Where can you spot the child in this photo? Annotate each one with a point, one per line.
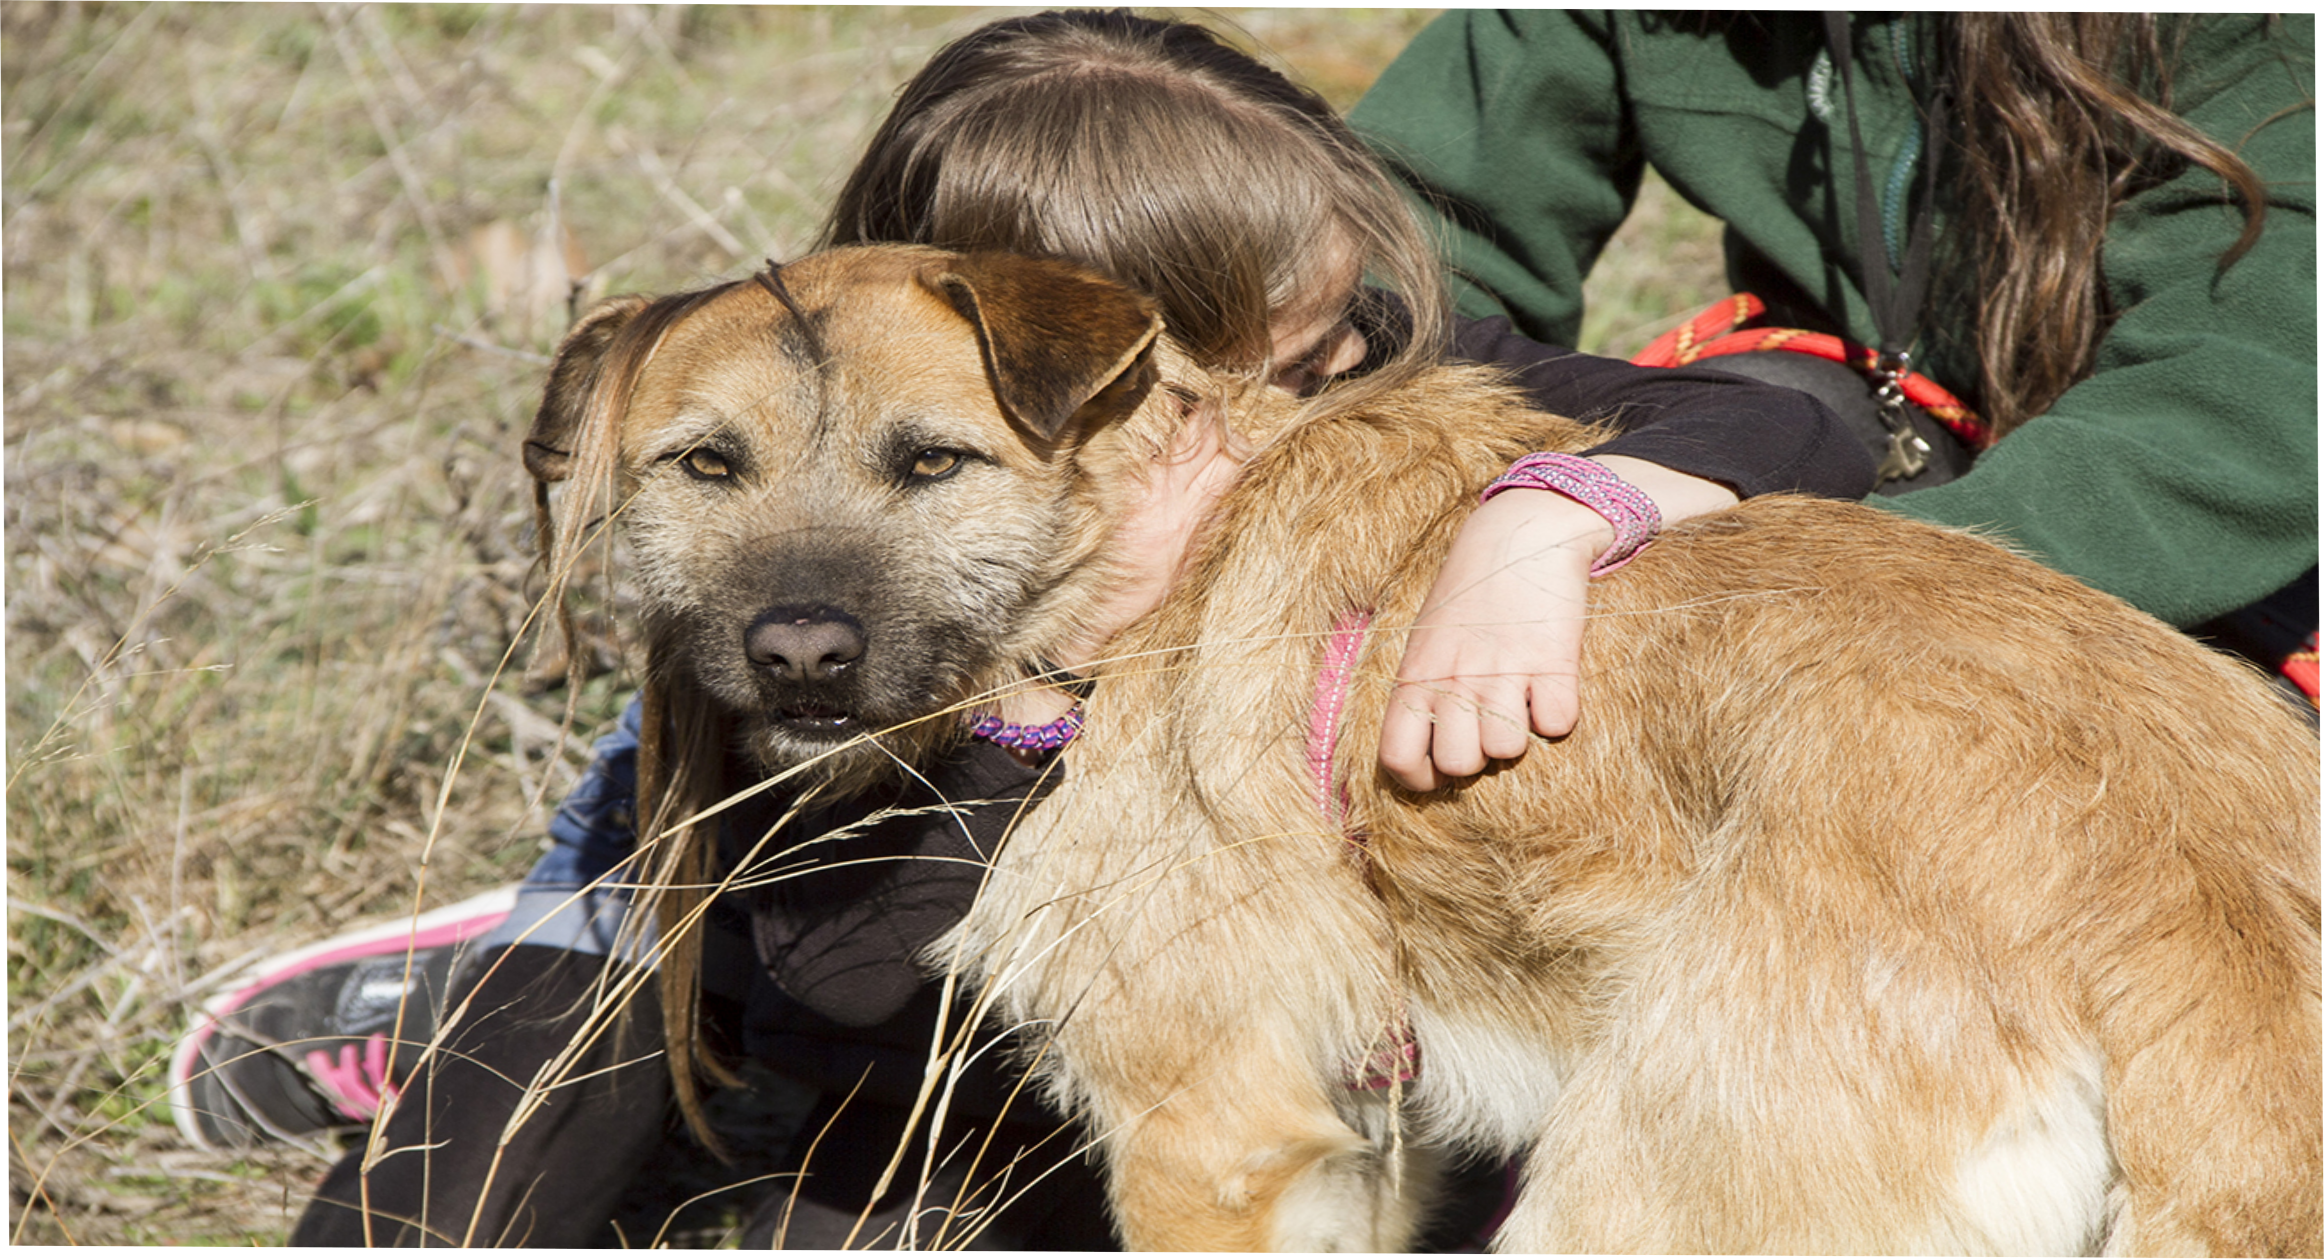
(1154, 152)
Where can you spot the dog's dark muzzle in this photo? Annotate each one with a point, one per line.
(808, 657)
(817, 638)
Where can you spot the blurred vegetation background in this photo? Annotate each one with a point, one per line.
(279, 280)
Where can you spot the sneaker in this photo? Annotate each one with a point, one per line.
(299, 1044)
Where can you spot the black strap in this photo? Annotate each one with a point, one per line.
(1896, 301)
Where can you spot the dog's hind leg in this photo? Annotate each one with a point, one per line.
(2221, 1159)
(1795, 1068)
(2213, 1063)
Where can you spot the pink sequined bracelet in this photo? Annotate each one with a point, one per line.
(1625, 506)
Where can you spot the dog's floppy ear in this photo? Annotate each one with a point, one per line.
(1058, 340)
(549, 447)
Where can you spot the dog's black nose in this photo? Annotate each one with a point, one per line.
(804, 644)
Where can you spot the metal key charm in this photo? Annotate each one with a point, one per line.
(1908, 451)
(1907, 457)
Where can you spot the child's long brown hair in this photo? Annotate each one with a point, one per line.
(1156, 153)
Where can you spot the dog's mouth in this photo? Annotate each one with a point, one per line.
(816, 721)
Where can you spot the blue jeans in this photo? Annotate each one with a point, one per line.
(574, 898)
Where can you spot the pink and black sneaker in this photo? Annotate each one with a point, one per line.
(300, 1044)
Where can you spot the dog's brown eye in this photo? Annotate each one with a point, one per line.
(932, 465)
(704, 465)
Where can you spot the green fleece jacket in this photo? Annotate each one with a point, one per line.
(2181, 475)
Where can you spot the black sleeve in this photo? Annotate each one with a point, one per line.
(1754, 438)
(841, 920)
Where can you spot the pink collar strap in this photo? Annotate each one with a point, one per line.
(1331, 702)
(1396, 1059)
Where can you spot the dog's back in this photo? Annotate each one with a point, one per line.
(1925, 897)
(1893, 893)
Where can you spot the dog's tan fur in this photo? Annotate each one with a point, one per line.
(1894, 893)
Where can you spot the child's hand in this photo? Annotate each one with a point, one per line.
(1498, 643)
(1495, 655)
(1149, 546)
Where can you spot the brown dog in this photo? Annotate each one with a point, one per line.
(1894, 893)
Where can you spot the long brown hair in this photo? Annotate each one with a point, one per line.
(2060, 117)
(1157, 154)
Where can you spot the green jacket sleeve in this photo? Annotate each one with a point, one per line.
(1439, 114)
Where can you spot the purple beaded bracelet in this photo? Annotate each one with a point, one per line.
(1625, 506)
(1047, 737)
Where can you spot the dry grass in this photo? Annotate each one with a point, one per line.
(267, 537)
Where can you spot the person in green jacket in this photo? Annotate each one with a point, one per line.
(2123, 276)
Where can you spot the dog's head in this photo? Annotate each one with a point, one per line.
(858, 488)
